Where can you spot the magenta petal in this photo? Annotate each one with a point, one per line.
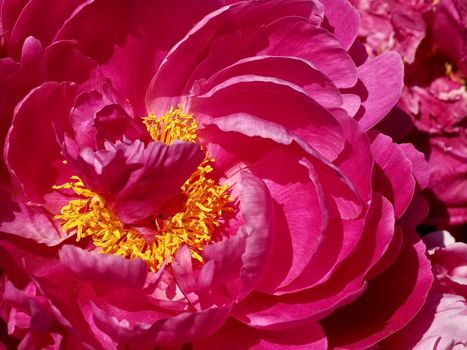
(31, 145)
(137, 179)
(343, 21)
(104, 268)
(28, 221)
(291, 69)
(31, 52)
(393, 174)
(420, 167)
(403, 287)
(307, 337)
(241, 261)
(383, 81)
(271, 100)
(29, 21)
(182, 328)
(300, 216)
(292, 36)
(62, 62)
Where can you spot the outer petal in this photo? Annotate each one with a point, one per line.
(343, 19)
(403, 287)
(31, 146)
(309, 336)
(382, 83)
(102, 268)
(184, 327)
(393, 177)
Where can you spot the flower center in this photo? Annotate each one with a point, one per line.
(194, 225)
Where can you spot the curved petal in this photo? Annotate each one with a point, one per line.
(31, 145)
(138, 179)
(403, 287)
(393, 173)
(104, 268)
(182, 328)
(293, 36)
(291, 69)
(343, 20)
(308, 336)
(382, 81)
(273, 100)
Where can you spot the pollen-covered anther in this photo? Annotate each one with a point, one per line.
(195, 225)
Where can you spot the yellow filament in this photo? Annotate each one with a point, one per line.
(89, 216)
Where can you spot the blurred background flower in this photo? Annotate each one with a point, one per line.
(431, 37)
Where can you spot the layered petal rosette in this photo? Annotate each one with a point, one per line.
(209, 182)
(431, 36)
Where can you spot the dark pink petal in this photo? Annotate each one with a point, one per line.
(103, 268)
(103, 115)
(234, 266)
(343, 21)
(31, 52)
(439, 325)
(382, 83)
(293, 36)
(301, 215)
(448, 162)
(29, 21)
(18, 217)
(139, 180)
(182, 328)
(31, 146)
(346, 283)
(191, 59)
(308, 336)
(355, 161)
(393, 176)
(390, 302)
(272, 100)
(420, 167)
(291, 69)
(62, 62)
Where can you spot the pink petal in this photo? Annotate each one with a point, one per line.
(403, 287)
(104, 268)
(393, 177)
(291, 107)
(28, 22)
(382, 79)
(188, 62)
(291, 69)
(343, 21)
(31, 145)
(308, 336)
(138, 179)
(293, 36)
(182, 328)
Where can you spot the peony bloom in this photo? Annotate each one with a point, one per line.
(435, 94)
(203, 175)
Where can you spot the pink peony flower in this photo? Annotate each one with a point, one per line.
(435, 95)
(200, 175)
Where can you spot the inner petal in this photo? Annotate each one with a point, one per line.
(192, 218)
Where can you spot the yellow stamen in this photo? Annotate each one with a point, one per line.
(195, 225)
